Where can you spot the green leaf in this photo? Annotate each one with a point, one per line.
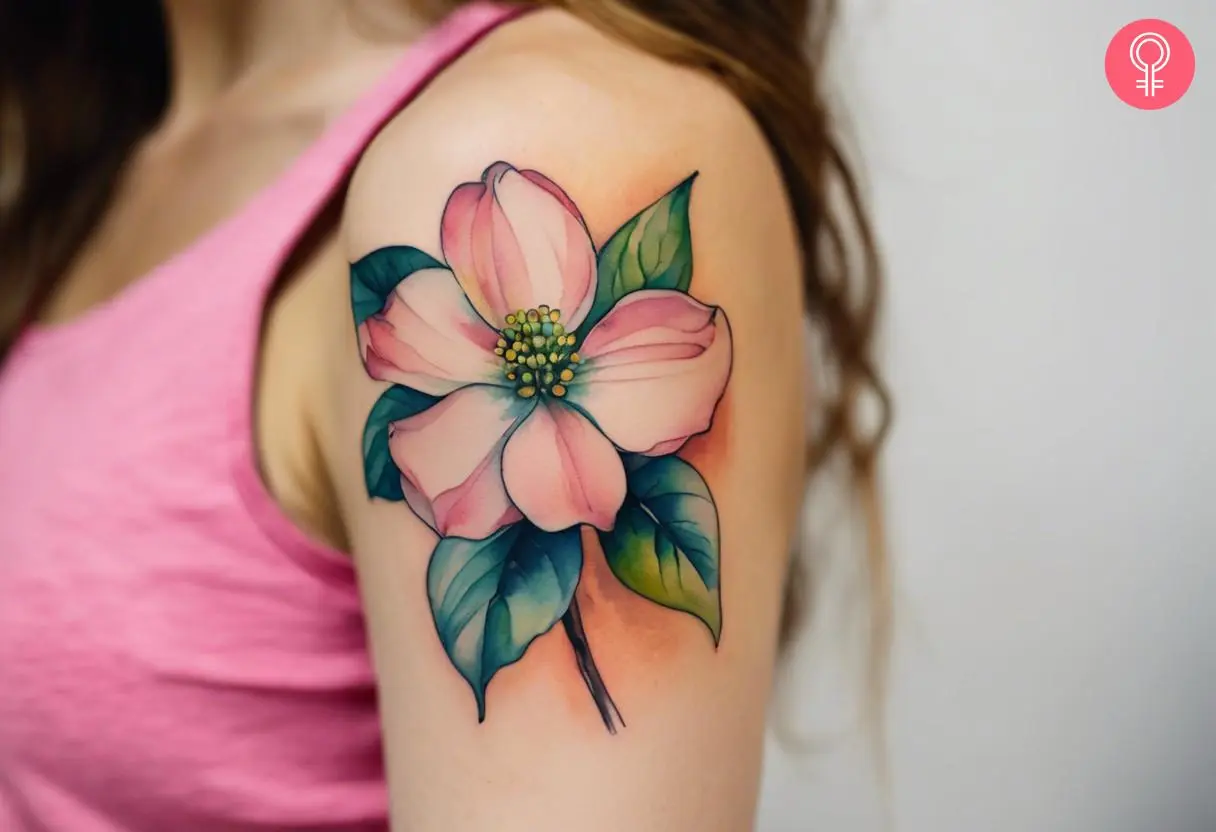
(379, 471)
(373, 277)
(664, 545)
(651, 251)
(491, 598)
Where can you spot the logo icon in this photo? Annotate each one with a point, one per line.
(1150, 64)
(1150, 83)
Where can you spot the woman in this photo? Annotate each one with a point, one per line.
(545, 484)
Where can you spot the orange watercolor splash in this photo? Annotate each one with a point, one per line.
(637, 644)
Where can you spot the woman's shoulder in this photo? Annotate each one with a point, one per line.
(551, 63)
(577, 306)
(587, 105)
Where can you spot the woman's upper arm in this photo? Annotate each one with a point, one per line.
(571, 527)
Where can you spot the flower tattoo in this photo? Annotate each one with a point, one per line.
(540, 386)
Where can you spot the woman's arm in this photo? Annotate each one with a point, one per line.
(571, 526)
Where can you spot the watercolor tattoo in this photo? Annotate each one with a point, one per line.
(540, 387)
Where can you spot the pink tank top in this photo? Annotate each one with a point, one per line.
(174, 653)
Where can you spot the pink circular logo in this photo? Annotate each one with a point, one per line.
(1150, 64)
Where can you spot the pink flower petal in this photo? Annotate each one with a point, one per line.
(539, 179)
(561, 471)
(515, 241)
(450, 458)
(654, 369)
(467, 236)
(428, 337)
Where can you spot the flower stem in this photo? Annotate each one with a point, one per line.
(573, 622)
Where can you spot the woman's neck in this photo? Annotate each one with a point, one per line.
(215, 44)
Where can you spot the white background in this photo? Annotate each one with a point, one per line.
(1051, 345)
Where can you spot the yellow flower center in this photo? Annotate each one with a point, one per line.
(537, 353)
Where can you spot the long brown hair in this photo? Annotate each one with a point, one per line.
(80, 83)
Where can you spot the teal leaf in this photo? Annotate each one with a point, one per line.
(379, 471)
(491, 598)
(664, 545)
(373, 277)
(651, 251)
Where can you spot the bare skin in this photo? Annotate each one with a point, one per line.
(255, 82)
